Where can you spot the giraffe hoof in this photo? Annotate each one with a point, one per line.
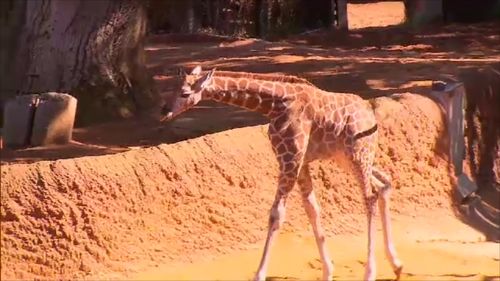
(259, 277)
(327, 277)
(328, 273)
(398, 271)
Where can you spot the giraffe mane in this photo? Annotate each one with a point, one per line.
(265, 76)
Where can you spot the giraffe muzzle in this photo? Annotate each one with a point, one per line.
(166, 114)
(166, 117)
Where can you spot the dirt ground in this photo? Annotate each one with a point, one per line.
(453, 252)
(137, 199)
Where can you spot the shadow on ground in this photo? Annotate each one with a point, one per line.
(370, 62)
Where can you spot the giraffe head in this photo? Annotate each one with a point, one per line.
(189, 93)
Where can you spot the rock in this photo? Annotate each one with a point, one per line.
(54, 119)
(18, 119)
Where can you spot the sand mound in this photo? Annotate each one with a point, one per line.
(95, 216)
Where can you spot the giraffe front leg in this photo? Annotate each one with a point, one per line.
(276, 219)
(312, 209)
(289, 144)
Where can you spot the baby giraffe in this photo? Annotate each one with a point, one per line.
(306, 123)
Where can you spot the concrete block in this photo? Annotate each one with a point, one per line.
(54, 119)
(18, 119)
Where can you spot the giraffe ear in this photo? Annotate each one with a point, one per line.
(196, 70)
(207, 78)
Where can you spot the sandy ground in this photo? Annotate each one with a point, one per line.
(375, 14)
(180, 205)
(451, 252)
(139, 200)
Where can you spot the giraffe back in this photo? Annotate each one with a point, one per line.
(331, 122)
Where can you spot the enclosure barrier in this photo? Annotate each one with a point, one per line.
(452, 96)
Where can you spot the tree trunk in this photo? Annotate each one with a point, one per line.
(209, 5)
(261, 18)
(92, 50)
(342, 14)
(190, 16)
(12, 15)
(273, 15)
(339, 13)
(216, 16)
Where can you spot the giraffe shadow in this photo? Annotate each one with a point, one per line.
(280, 278)
(288, 278)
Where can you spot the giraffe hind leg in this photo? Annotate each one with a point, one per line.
(362, 154)
(362, 171)
(383, 184)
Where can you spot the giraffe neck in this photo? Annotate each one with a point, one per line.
(266, 97)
